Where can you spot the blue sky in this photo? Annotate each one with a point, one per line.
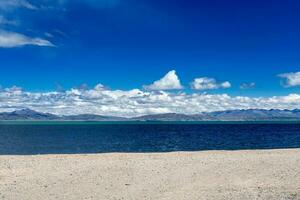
(232, 47)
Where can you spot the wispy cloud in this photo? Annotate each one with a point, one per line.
(12, 39)
(245, 86)
(9, 4)
(169, 82)
(103, 3)
(135, 102)
(290, 79)
(4, 21)
(94, 3)
(205, 83)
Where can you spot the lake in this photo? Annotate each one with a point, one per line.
(27, 138)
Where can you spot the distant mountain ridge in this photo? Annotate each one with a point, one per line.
(229, 115)
(31, 115)
(27, 114)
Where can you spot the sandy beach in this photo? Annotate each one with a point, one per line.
(257, 174)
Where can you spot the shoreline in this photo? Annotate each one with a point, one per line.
(157, 153)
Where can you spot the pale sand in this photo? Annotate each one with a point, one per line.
(271, 174)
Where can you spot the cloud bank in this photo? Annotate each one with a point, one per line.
(169, 82)
(206, 83)
(12, 39)
(135, 102)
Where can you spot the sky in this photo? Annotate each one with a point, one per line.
(135, 57)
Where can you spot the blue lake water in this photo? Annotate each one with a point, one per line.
(74, 138)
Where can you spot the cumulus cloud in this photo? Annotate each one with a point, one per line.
(290, 79)
(169, 82)
(135, 102)
(206, 83)
(12, 39)
(99, 87)
(245, 86)
(9, 4)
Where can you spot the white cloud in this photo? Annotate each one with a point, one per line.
(245, 86)
(8, 4)
(135, 102)
(12, 39)
(291, 79)
(169, 82)
(206, 83)
(99, 87)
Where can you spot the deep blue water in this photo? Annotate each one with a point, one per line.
(29, 139)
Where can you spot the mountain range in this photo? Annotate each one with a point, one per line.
(229, 115)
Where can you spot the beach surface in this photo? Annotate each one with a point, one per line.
(255, 174)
